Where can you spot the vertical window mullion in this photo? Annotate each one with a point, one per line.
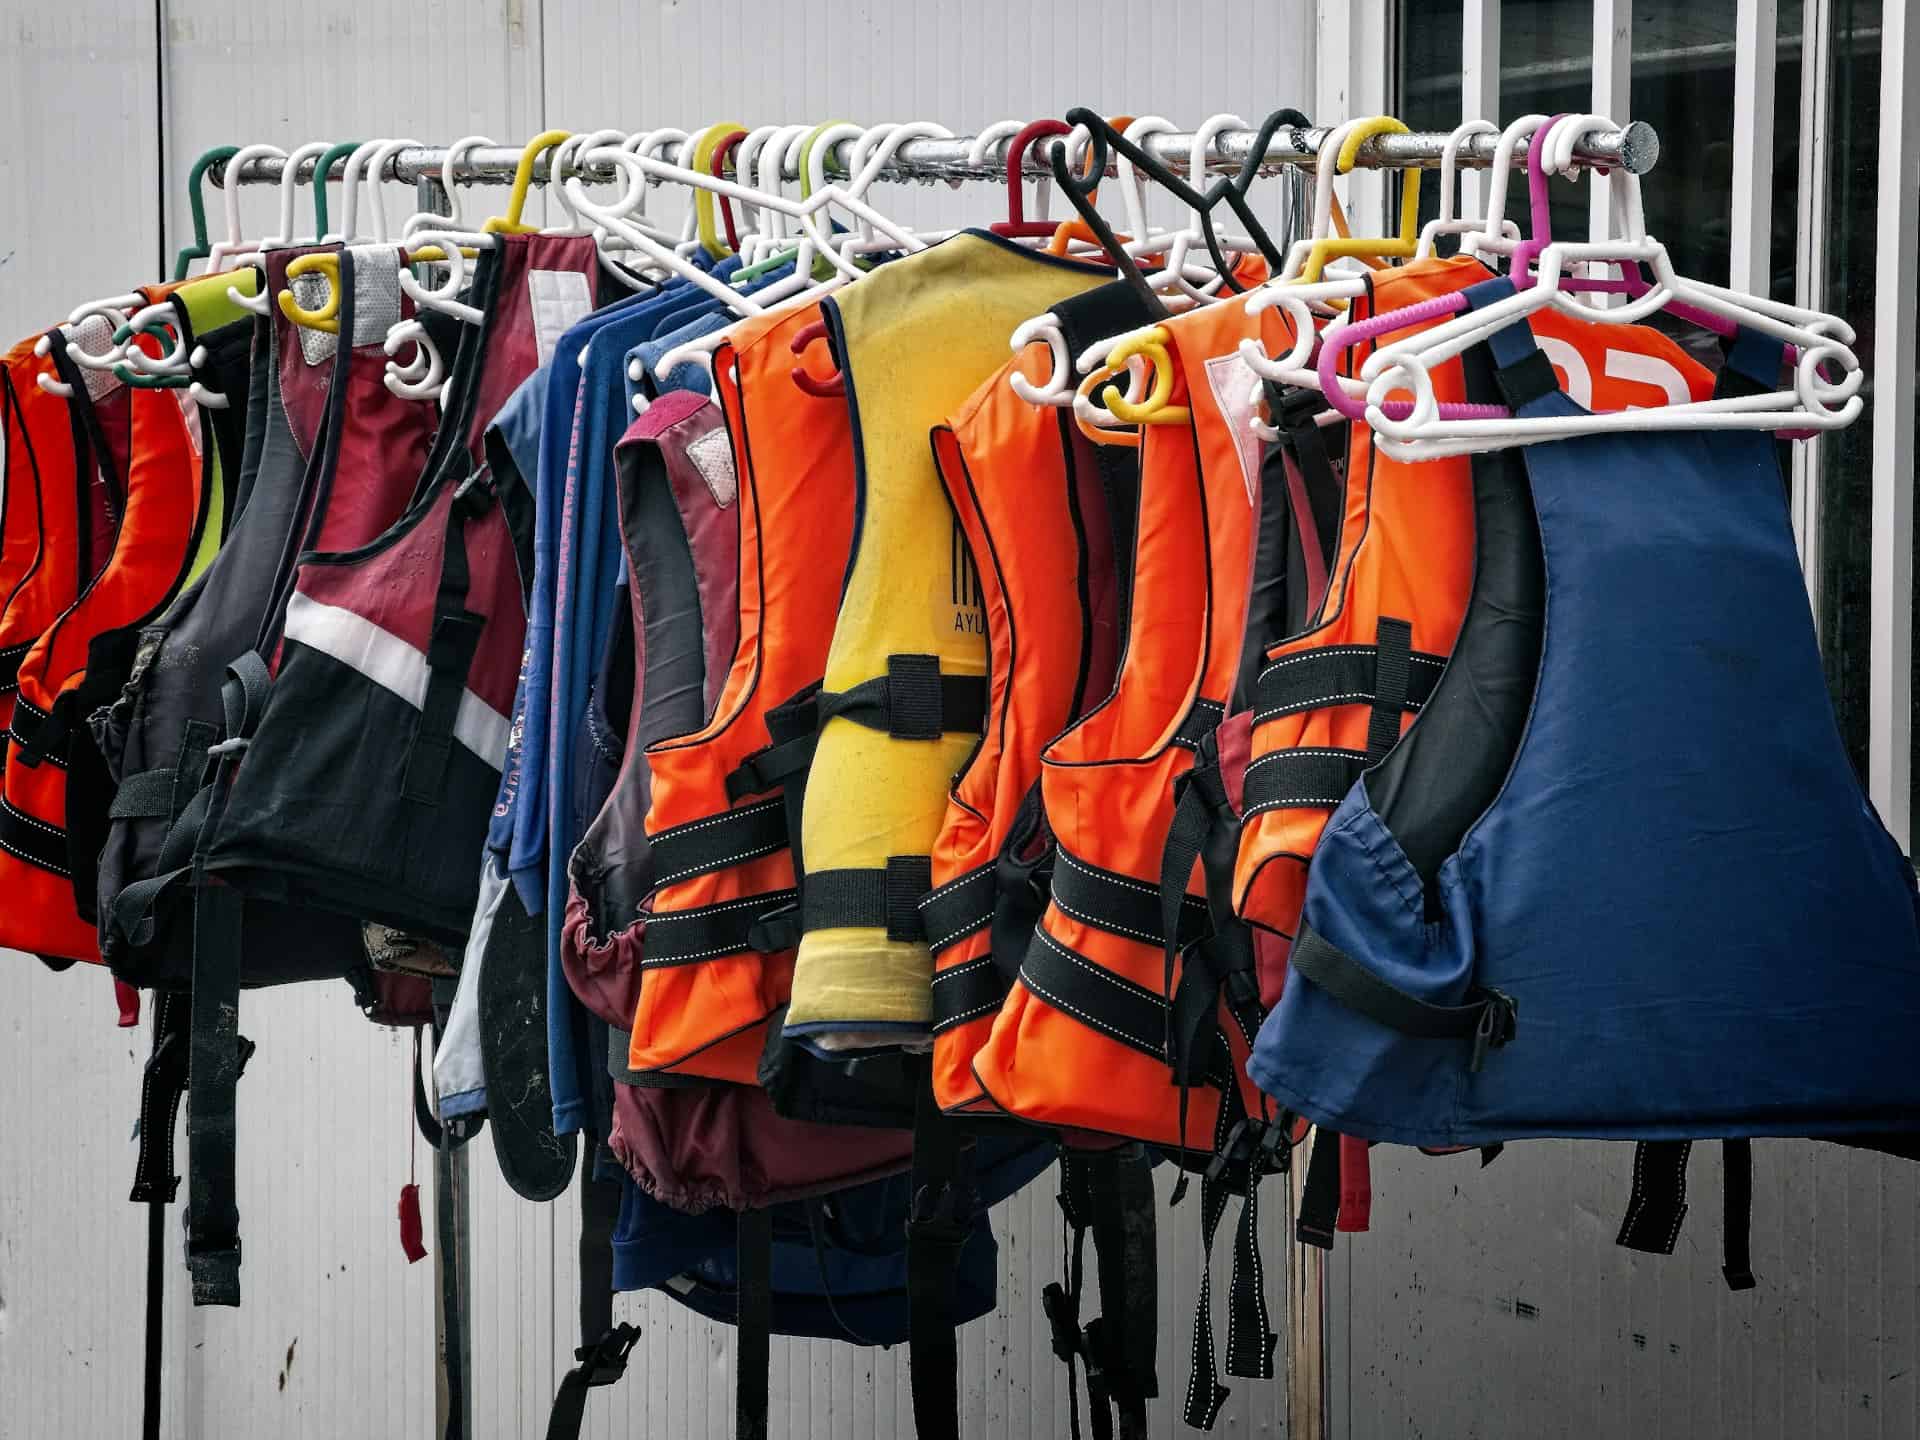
(1896, 254)
(1479, 86)
(1612, 93)
(1810, 264)
(1756, 37)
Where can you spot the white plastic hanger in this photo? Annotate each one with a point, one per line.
(1447, 222)
(221, 256)
(1812, 403)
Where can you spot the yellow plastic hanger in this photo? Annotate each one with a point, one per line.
(1408, 241)
(327, 317)
(1151, 344)
(711, 240)
(510, 223)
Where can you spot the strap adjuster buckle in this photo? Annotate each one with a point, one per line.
(1068, 1342)
(1499, 1018)
(778, 929)
(607, 1356)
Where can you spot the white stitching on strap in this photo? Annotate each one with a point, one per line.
(657, 918)
(983, 872)
(731, 860)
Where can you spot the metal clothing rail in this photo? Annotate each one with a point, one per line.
(1635, 148)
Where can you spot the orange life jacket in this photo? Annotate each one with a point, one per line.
(717, 960)
(163, 506)
(1085, 1038)
(1332, 700)
(1029, 496)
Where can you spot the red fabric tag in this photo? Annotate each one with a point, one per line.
(128, 999)
(1356, 1185)
(412, 1245)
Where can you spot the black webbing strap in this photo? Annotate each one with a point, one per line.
(34, 841)
(732, 927)
(1525, 379)
(1095, 996)
(884, 897)
(162, 1086)
(912, 701)
(1122, 905)
(10, 658)
(1203, 717)
(1315, 777)
(1245, 1149)
(794, 727)
(1393, 660)
(753, 1261)
(958, 908)
(602, 1355)
(1320, 1196)
(1658, 1204)
(1205, 1393)
(450, 650)
(944, 1204)
(1124, 1338)
(1488, 1018)
(770, 767)
(1294, 410)
(1023, 876)
(1736, 1234)
(40, 734)
(1251, 1338)
(1109, 1195)
(966, 991)
(701, 847)
(1061, 1303)
(1338, 675)
(217, 1051)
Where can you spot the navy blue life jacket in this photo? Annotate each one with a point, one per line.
(1618, 880)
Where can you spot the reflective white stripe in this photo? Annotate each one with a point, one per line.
(392, 663)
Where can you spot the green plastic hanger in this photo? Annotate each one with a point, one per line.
(196, 178)
(322, 171)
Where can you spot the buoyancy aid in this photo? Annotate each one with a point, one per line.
(1036, 505)
(717, 958)
(160, 505)
(359, 768)
(1583, 895)
(904, 693)
(1402, 566)
(422, 626)
(1092, 996)
(42, 497)
(328, 477)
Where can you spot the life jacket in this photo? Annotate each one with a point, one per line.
(1401, 569)
(717, 957)
(1092, 995)
(422, 627)
(360, 762)
(205, 321)
(904, 693)
(331, 476)
(1037, 503)
(712, 1170)
(159, 504)
(43, 493)
(1581, 897)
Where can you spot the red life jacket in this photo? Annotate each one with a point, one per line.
(162, 505)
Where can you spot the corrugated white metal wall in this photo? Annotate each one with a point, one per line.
(336, 1336)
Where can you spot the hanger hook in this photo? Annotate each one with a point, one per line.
(290, 181)
(510, 223)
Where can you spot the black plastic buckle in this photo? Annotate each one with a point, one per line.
(480, 479)
(1229, 1152)
(778, 929)
(607, 1356)
(1499, 1017)
(1063, 1320)
(1297, 406)
(215, 1268)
